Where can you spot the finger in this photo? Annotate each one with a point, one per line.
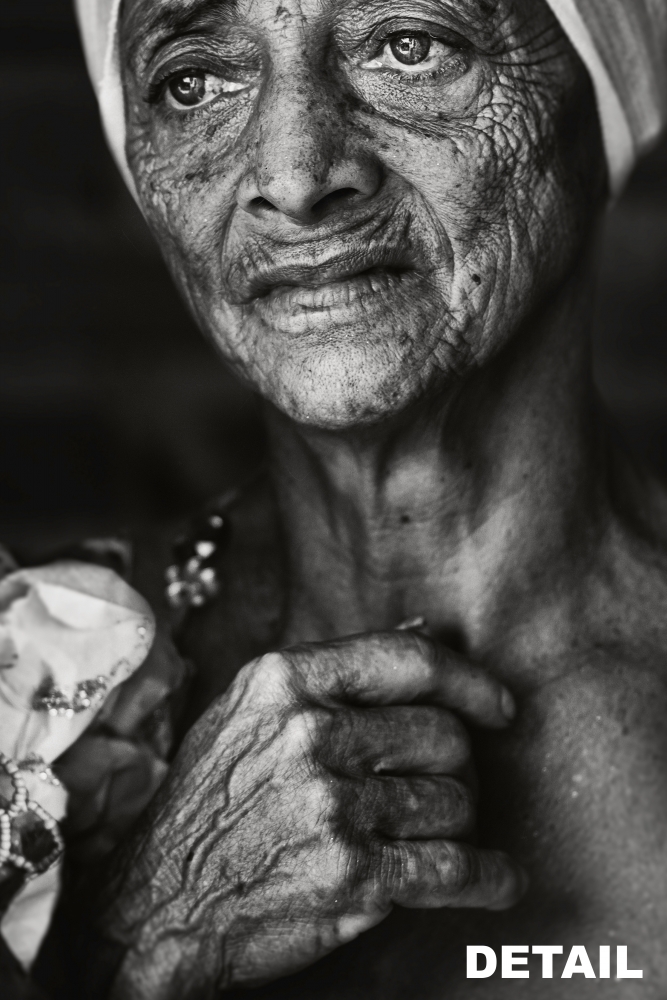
(441, 873)
(414, 808)
(406, 739)
(385, 668)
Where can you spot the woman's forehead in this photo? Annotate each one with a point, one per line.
(150, 23)
(158, 15)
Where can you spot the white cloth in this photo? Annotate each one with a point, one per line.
(622, 43)
(60, 625)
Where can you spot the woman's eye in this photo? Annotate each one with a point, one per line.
(410, 49)
(412, 52)
(194, 88)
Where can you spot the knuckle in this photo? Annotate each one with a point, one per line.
(303, 731)
(272, 674)
(462, 806)
(361, 867)
(297, 734)
(342, 727)
(423, 647)
(460, 869)
(344, 742)
(375, 801)
(398, 866)
(459, 738)
(317, 798)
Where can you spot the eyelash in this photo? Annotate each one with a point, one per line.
(158, 87)
(457, 48)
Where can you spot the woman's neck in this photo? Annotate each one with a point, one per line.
(460, 511)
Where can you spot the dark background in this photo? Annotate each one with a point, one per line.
(112, 407)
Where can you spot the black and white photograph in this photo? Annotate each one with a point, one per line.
(333, 500)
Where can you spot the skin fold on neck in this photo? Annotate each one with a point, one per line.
(456, 509)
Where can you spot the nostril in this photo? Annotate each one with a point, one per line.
(262, 203)
(333, 198)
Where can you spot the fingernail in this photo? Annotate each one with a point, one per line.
(507, 705)
(412, 624)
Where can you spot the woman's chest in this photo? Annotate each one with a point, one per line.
(577, 793)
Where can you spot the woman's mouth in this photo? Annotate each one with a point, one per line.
(338, 293)
(297, 309)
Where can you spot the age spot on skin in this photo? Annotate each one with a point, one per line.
(423, 168)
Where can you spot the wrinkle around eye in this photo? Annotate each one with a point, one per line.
(215, 87)
(474, 22)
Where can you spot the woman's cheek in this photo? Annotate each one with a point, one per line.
(176, 157)
(187, 201)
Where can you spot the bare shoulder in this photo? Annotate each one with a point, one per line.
(578, 789)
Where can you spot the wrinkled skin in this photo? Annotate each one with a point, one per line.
(323, 167)
(335, 784)
(398, 261)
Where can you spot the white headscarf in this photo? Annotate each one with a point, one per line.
(622, 43)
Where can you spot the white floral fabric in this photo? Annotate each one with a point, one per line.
(70, 633)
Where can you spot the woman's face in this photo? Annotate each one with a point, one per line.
(361, 199)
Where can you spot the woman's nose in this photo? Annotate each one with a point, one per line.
(305, 167)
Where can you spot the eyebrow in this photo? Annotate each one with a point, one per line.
(180, 17)
(464, 16)
(177, 18)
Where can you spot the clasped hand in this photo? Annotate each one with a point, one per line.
(330, 782)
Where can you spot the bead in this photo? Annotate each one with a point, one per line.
(191, 580)
(21, 804)
(55, 702)
(205, 549)
(192, 566)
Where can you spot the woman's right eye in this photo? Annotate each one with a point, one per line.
(194, 88)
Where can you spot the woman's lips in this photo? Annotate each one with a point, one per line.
(296, 309)
(340, 293)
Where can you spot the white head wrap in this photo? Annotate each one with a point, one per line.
(623, 44)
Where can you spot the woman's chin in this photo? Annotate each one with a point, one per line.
(338, 390)
(338, 358)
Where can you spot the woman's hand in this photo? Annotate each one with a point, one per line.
(330, 782)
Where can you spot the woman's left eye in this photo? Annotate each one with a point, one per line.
(410, 49)
(410, 52)
(194, 88)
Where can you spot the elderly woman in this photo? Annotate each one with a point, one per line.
(384, 215)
